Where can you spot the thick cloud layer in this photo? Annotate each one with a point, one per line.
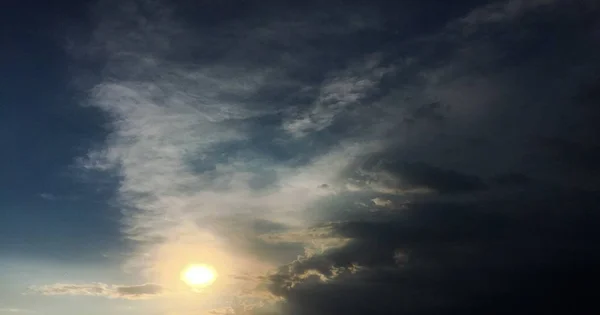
(530, 253)
(354, 158)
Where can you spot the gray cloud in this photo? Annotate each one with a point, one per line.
(512, 179)
(336, 94)
(430, 112)
(278, 122)
(16, 310)
(143, 291)
(502, 11)
(387, 172)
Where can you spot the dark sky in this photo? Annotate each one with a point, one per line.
(323, 157)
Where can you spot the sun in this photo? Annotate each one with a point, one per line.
(198, 275)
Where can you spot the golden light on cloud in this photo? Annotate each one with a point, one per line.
(198, 275)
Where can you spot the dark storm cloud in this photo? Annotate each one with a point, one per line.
(390, 171)
(444, 181)
(572, 162)
(512, 179)
(432, 112)
(528, 253)
(524, 240)
(574, 155)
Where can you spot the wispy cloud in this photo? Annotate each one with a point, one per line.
(337, 93)
(48, 196)
(501, 11)
(133, 292)
(16, 311)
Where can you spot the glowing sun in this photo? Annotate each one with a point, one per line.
(198, 275)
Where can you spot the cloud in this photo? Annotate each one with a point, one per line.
(512, 179)
(337, 94)
(221, 311)
(261, 145)
(133, 292)
(431, 112)
(443, 181)
(48, 196)
(384, 172)
(381, 202)
(473, 257)
(500, 11)
(314, 240)
(195, 141)
(16, 310)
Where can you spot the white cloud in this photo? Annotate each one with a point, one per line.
(382, 202)
(133, 292)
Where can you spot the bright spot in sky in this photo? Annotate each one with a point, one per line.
(198, 275)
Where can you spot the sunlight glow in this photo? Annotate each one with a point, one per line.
(198, 275)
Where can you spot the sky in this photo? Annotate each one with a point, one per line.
(319, 157)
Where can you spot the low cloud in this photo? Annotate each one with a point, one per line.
(381, 202)
(16, 311)
(133, 292)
